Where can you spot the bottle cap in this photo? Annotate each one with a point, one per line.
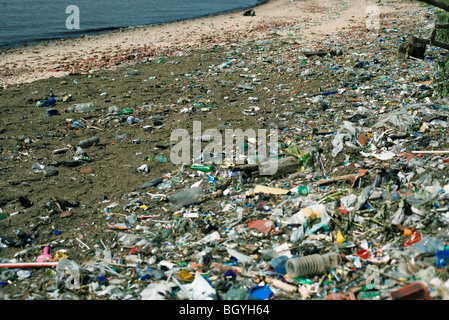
(260, 292)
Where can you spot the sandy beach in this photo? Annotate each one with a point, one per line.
(96, 186)
(307, 22)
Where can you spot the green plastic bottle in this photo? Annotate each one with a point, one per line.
(204, 168)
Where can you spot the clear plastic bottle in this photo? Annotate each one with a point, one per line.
(236, 292)
(427, 245)
(185, 197)
(81, 107)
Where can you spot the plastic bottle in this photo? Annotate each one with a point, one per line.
(47, 103)
(151, 183)
(161, 158)
(45, 256)
(77, 124)
(89, 142)
(427, 245)
(312, 264)
(204, 168)
(4, 215)
(226, 64)
(114, 110)
(81, 107)
(236, 292)
(131, 73)
(185, 197)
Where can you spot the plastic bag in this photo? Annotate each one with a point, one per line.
(313, 218)
(346, 133)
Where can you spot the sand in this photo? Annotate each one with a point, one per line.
(88, 203)
(305, 21)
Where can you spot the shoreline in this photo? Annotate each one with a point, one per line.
(106, 30)
(299, 21)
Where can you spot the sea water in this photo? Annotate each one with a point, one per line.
(26, 22)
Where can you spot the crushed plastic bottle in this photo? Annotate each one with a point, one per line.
(186, 197)
(81, 107)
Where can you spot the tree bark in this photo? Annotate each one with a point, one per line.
(432, 40)
(437, 4)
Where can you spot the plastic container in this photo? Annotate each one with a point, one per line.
(312, 265)
(185, 197)
(260, 292)
(413, 291)
(442, 258)
(81, 107)
(45, 257)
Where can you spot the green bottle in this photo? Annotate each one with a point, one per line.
(204, 168)
(126, 111)
(161, 158)
(4, 216)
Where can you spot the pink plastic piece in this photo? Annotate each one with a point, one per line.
(45, 256)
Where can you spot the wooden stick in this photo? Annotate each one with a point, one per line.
(431, 151)
(25, 265)
(352, 177)
(281, 285)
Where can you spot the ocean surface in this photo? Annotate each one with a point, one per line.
(26, 22)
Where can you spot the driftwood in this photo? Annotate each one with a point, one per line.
(352, 178)
(283, 166)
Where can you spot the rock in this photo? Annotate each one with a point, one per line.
(248, 13)
(87, 170)
(65, 214)
(412, 48)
